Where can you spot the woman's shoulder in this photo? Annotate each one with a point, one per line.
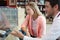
(41, 18)
(27, 16)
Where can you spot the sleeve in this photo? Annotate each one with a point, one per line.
(42, 27)
(25, 23)
(54, 32)
(30, 38)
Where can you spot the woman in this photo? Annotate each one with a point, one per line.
(34, 22)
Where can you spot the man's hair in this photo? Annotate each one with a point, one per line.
(54, 2)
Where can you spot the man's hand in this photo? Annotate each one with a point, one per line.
(17, 33)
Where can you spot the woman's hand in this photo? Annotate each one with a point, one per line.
(17, 33)
(26, 31)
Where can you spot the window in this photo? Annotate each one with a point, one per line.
(41, 1)
(12, 15)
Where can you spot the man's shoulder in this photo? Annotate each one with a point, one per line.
(58, 17)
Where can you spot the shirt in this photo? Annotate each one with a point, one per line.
(34, 27)
(54, 32)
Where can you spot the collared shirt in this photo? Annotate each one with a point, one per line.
(34, 24)
(54, 32)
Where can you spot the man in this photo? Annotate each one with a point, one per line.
(52, 8)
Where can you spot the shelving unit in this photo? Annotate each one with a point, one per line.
(22, 3)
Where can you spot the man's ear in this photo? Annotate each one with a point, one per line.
(56, 6)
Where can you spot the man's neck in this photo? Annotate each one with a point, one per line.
(55, 13)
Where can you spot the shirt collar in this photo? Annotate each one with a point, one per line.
(56, 15)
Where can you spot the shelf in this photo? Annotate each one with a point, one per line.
(23, 3)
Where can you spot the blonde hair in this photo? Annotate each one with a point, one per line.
(35, 8)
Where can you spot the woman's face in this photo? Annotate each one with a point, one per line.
(29, 10)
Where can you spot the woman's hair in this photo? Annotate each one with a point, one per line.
(34, 7)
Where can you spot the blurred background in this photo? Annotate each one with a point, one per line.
(15, 12)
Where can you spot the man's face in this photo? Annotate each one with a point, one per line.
(48, 9)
